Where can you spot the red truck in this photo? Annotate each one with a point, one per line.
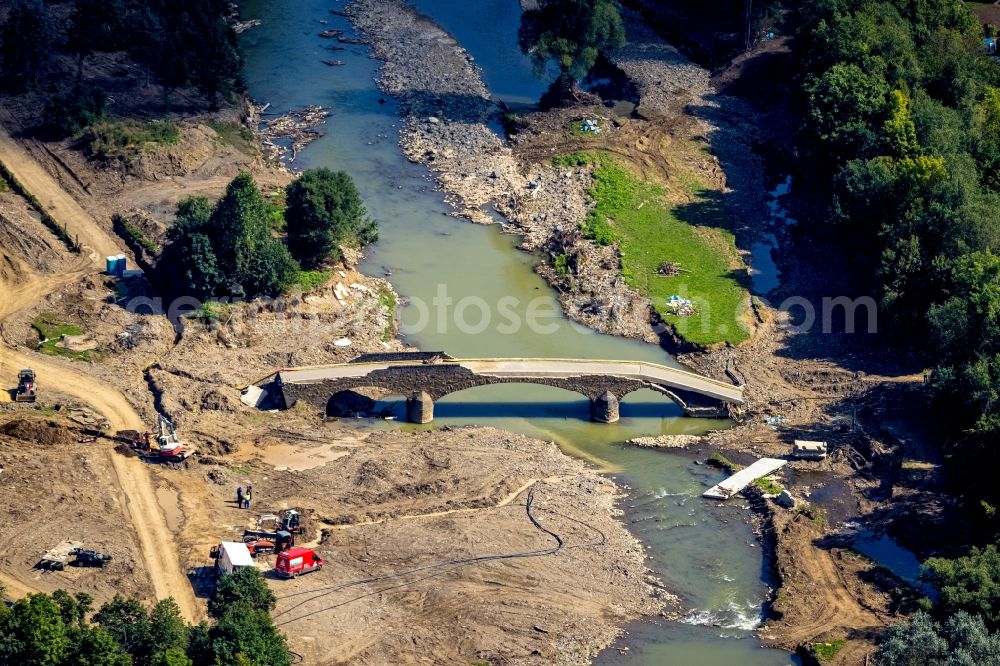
(295, 561)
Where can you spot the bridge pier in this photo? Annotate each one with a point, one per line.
(420, 408)
(604, 408)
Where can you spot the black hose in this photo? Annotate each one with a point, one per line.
(439, 568)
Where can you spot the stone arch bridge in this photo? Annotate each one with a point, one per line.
(427, 376)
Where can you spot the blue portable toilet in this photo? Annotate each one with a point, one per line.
(121, 265)
(112, 265)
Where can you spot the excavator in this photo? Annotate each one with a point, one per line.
(170, 448)
(167, 447)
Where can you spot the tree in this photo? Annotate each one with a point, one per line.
(571, 33)
(171, 657)
(324, 210)
(969, 584)
(25, 39)
(246, 635)
(198, 266)
(270, 269)
(43, 630)
(127, 622)
(73, 609)
(167, 630)
(244, 587)
(239, 223)
(68, 113)
(93, 646)
(962, 640)
(845, 104)
(900, 132)
(212, 249)
(34, 633)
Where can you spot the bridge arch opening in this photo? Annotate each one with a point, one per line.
(361, 401)
(493, 403)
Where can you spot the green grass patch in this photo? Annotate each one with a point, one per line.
(388, 301)
(768, 486)
(827, 651)
(211, 312)
(45, 410)
(310, 280)
(722, 462)
(51, 330)
(814, 513)
(108, 136)
(633, 213)
(234, 134)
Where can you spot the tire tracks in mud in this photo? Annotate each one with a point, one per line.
(159, 549)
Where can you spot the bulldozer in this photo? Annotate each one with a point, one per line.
(25, 386)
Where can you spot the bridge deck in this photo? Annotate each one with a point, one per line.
(523, 368)
(744, 478)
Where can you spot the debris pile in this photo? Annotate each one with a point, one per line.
(669, 268)
(243, 26)
(298, 127)
(590, 126)
(679, 305)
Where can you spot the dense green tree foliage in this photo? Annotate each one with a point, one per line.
(34, 633)
(168, 633)
(127, 621)
(245, 635)
(961, 640)
(323, 211)
(25, 39)
(570, 33)
(968, 584)
(53, 630)
(233, 246)
(244, 587)
(901, 143)
(180, 42)
(212, 250)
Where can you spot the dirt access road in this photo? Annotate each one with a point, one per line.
(79, 224)
(159, 549)
(815, 574)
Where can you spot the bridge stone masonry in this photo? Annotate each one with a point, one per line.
(425, 377)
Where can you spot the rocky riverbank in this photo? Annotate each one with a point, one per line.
(671, 87)
(447, 113)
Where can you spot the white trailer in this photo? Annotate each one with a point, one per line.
(229, 555)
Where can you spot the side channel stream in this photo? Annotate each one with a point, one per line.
(705, 553)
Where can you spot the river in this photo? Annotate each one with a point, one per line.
(705, 553)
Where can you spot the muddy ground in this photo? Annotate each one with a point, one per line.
(431, 549)
(551, 583)
(53, 489)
